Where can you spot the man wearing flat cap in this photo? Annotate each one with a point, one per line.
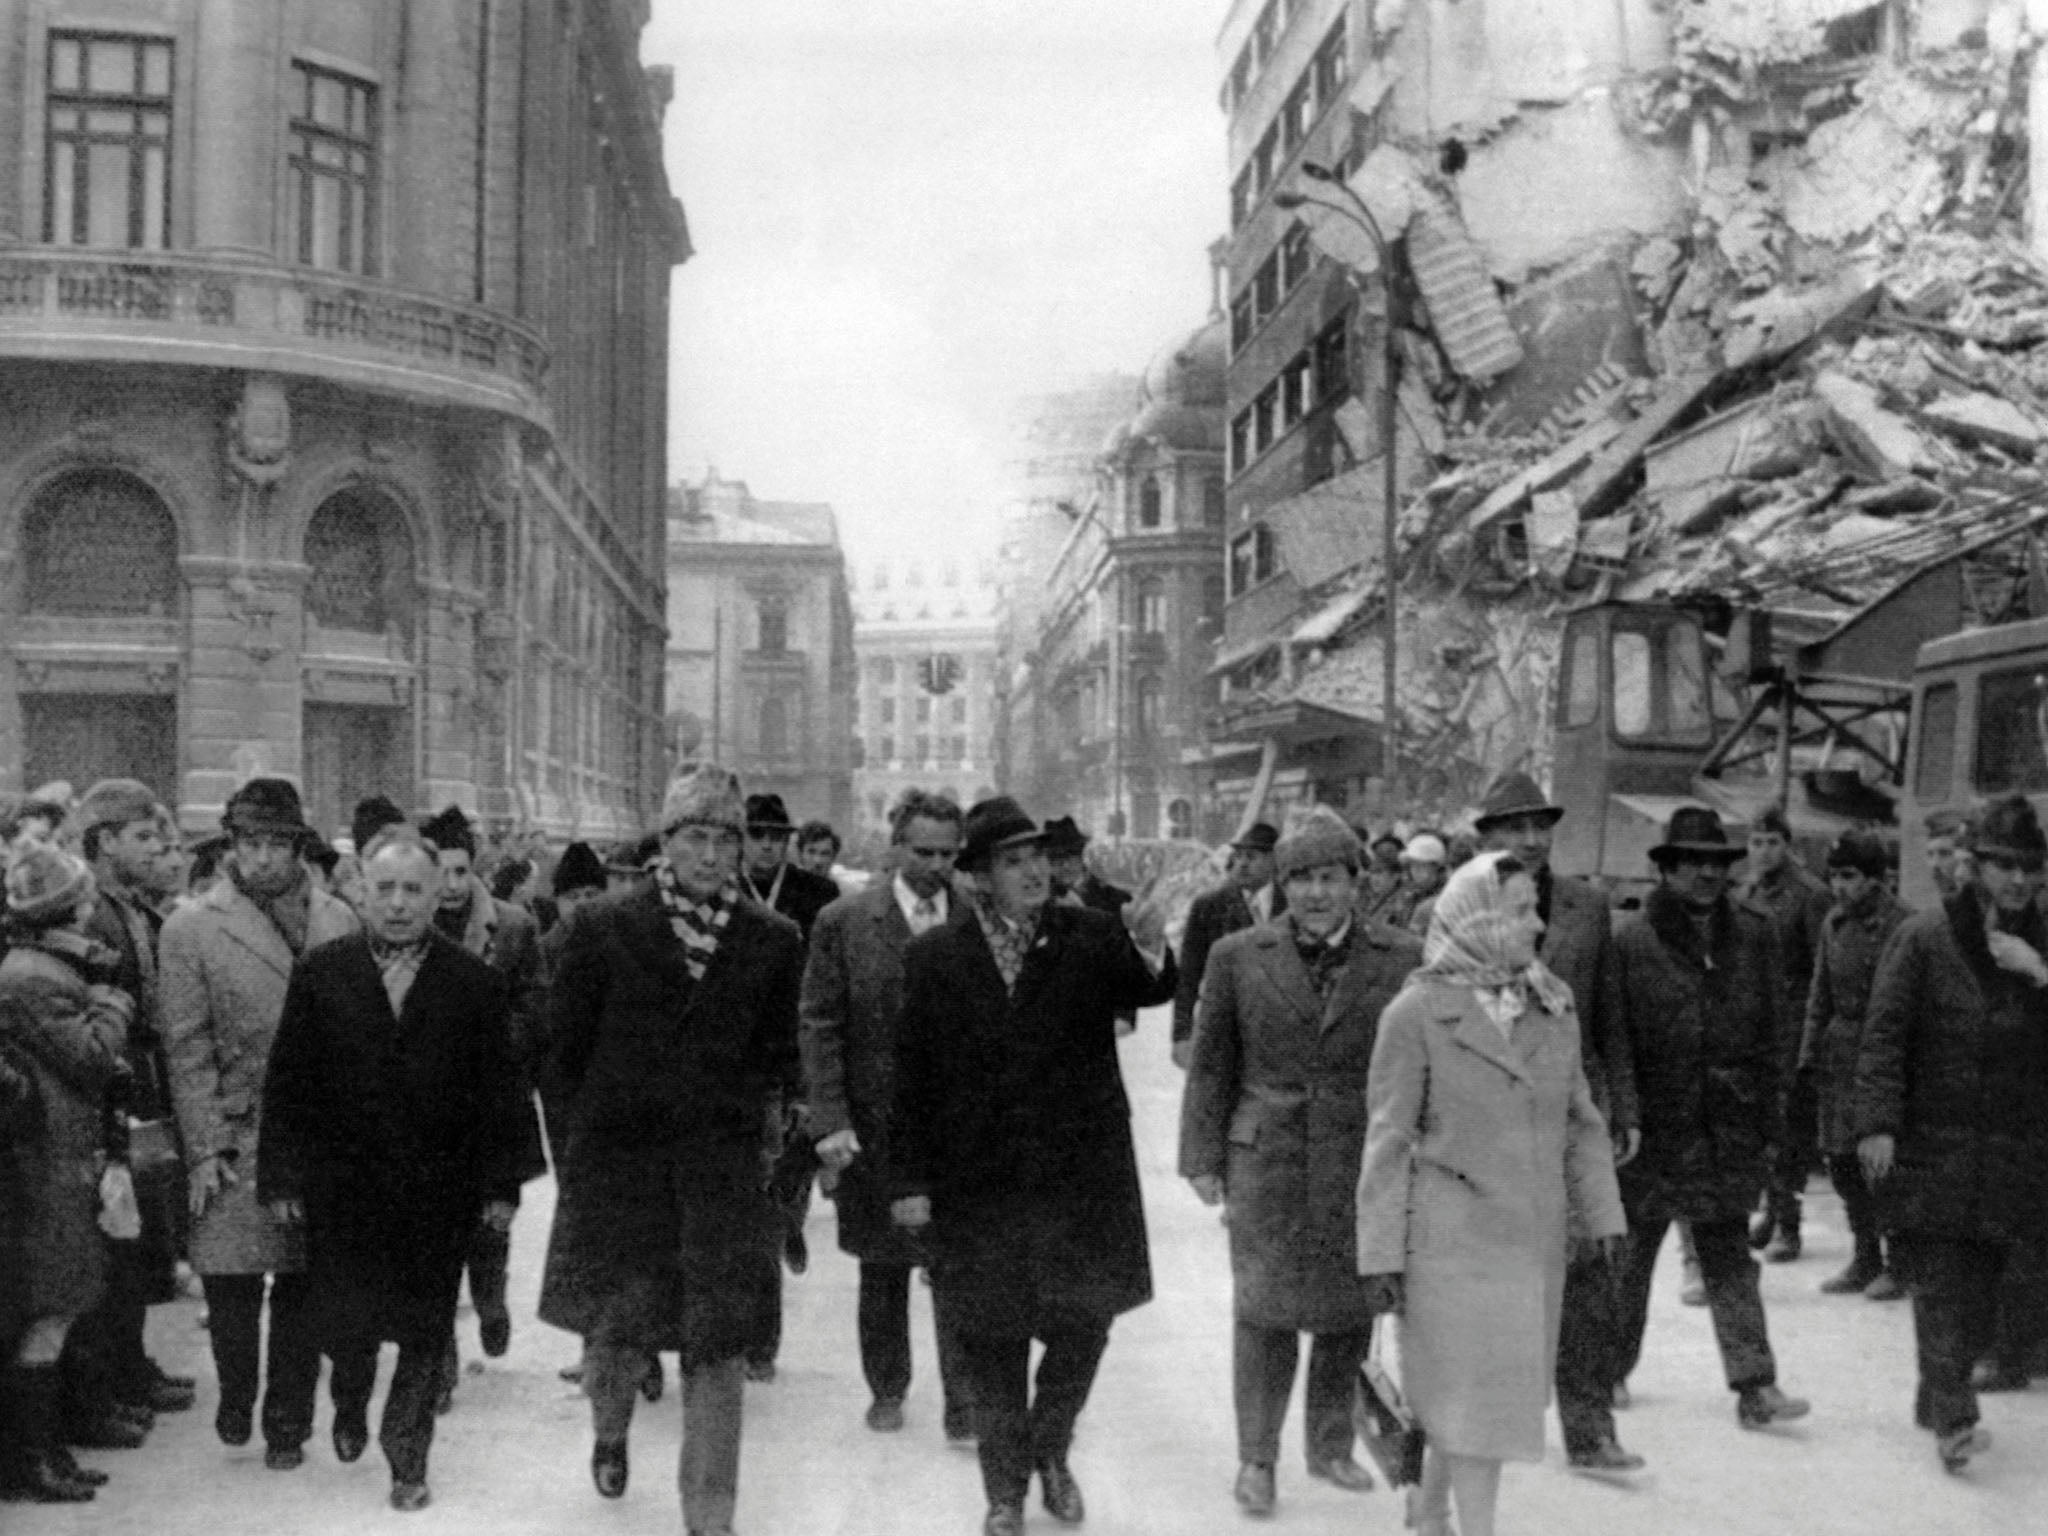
(1700, 993)
(1578, 946)
(675, 1028)
(1010, 1137)
(1248, 896)
(1273, 1123)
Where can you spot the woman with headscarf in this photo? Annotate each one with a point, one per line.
(1485, 1160)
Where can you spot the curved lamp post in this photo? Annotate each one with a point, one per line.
(1354, 209)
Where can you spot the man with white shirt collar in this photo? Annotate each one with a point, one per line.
(853, 991)
(1249, 897)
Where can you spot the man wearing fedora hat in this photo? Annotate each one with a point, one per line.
(768, 873)
(1701, 994)
(1248, 896)
(1066, 847)
(1578, 945)
(1010, 1137)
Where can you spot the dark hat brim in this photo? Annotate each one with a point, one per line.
(1551, 814)
(1727, 853)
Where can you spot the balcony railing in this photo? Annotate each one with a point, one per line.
(180, 307)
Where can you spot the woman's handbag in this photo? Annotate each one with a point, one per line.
(1385, 1422)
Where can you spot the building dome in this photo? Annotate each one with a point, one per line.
(1182, 400)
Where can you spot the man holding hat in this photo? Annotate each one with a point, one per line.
(1578, 946)
(675, 1024)
(1010, 1137)
(1701, 993)
(226, 959)
(1249, 896)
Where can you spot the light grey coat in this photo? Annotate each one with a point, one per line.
(222, 968)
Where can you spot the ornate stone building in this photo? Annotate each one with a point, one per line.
(333, 402)
(760, 648)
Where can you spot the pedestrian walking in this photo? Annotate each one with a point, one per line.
(675, 1020)
(226, 961)
(1485, 1160)
(1011, 1138)
(391, 1125)
(852, 998)
(1852, 941)
(1701, 993)
(1272, 1125)
(1951, 1083)
(1248, 897)
(1577, 945)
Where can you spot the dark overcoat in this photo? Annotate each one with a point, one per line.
(1954, 1066)
(394, 1132)
(852, 997)
(1578, 948)
(1851, 942)
(671, 1085)
(1797, 904)
(507, 939)
(68, 1042)
(19, 1114)
(1276, 1106)
(1011, 1116)
(1212, 916)
(1704, 1033)
(801, 895)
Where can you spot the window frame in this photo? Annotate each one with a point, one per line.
(303, 132)
(139, 104)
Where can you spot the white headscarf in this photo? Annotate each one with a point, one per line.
(1467, 946)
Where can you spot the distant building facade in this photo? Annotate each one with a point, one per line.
(760, 645)
(333, 360)
(929, 698)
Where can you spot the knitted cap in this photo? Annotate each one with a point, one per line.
(1319, 838)
(1859, 850)
(450, 829)
(45, 882)
(579, 869)
(264, 806)
(371, 817)
(708, 796)
(114, 803)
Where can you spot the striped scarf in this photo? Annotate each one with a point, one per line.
(697, 925)
(1009, 942)
(399, 965)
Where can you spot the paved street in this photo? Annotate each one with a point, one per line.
(1155, 1455)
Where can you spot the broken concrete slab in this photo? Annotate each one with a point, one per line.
(1880, 442)
(1979, 418)
(1607, 481)
(1552, 469)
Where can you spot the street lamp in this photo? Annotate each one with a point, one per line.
(1355, 210)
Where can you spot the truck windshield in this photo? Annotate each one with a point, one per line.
(1660, 682)
(2012, 732)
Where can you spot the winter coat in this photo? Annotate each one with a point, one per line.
(66, 1037)
(1797, 905)
(1275, 1106)
(1213, 916)
(507, 939)
(394, 1132)
(1578, 947)
(800, 896)
(1484, 1154)
(852, 997)
(1851, 943)
(672, 1085)
(223, 969)
(20, 1117)
(1954, 1066)
(1704, 1031)
(1011, 1116)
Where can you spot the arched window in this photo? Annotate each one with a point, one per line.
(1151, 704)
(774, 727)
(1150, 502)
(1180, 819)
(1151, 606)
(99, 544)
(361, 555)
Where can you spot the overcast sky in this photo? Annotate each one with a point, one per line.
(908, 211)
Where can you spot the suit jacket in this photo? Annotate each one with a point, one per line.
(1578, 946)
(394, 1132)
(1275, 1105)
(1212, 916)
(1010, 1114)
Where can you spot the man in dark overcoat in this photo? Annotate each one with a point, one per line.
(1273, 1123)
(1951, 1109)
(1578, 947)
(1066, 846)
(1248, 896)
(1857, 931)
(1700, 992)
(675, 1023)
(853, 993)
(391, 1126)
(1011, 1138)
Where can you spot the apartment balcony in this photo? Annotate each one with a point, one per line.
(227, 312)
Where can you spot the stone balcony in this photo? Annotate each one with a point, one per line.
(227, 312)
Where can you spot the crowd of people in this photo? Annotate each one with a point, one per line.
(1428, 1080)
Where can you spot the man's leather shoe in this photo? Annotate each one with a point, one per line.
(61, 1457)
(161, 1394)
(1858, 1277)
(1343, 1471)
(1004, 1520)
(1992, 1376)
(408, 1497)
(885, 1414)
(495, 1330)
(1885, 1287)
(1785, 1247)
(1759, 1406)
(1958, 1446)
(284, 1458)
(37, 1478)
(761, 1370)
(1607, 1459)
(350, 1441)
(1254, 1490)
(608, 1468)
(108, 1431)
(234, 1425)
(1061, 1494)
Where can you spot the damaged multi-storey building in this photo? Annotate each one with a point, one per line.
(1681, 299)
